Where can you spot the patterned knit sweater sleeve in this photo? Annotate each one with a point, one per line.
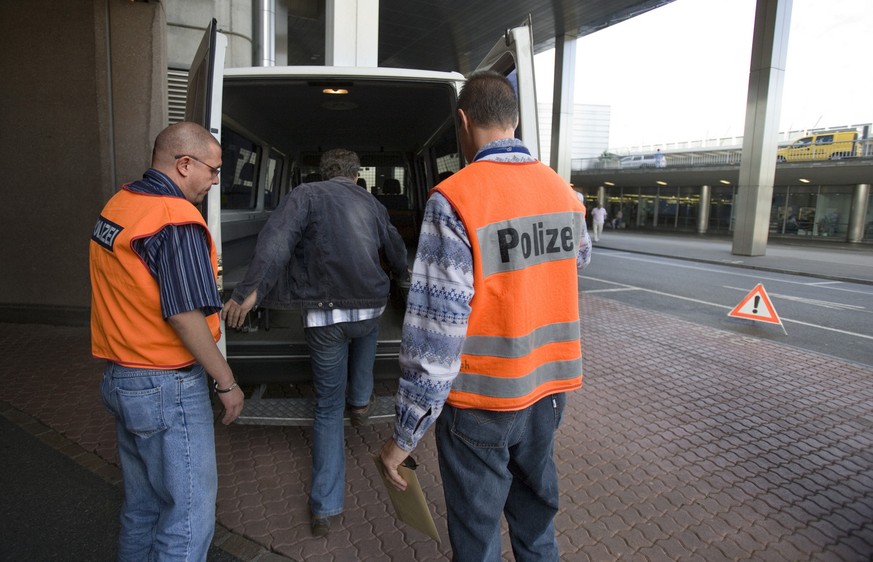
(435, 325)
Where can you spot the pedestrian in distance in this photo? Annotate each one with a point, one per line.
(616, 220)
(320, 251)
(490, 342)
(154, 319)
(598, 218)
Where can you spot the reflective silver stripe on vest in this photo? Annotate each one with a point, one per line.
(500, 387)
(510, 348)
(525, 241)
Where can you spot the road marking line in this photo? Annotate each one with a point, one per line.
(623, 255)
(814, 302)
(729, 307)
(612, 290)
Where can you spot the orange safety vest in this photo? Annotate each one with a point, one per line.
(523, 343)
(127, 326)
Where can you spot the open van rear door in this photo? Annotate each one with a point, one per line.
(203, 106)
(512, 57)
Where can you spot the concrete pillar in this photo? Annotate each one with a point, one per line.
(351, 33)
(601, 196)
(187, 21)
(264, 33)
(858, 213)
(703, 209)
(562, 105)
(281, 34)
(761, 134)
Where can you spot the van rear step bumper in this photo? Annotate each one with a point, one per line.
(301, 411)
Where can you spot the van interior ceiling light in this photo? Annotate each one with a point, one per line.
(725, 182)
(335, 91)
(804, 180)
(609, 183)
(659, 182)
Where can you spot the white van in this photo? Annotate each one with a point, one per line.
(273, 124)
(638, 161)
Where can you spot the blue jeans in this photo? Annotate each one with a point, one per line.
(500, 462)
(340, 353)
(166, 446)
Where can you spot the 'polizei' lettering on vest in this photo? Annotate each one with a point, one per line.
(105, 232)
(521, 242)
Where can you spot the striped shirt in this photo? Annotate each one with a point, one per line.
(316, 318)
(177, 256)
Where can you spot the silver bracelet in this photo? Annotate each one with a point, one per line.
(225, 390)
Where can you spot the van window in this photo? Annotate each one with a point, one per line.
(368, 175)
(239, 164)
(447, 165)
(272, 187)
(437, 160)
(825, 139)
(446, 154)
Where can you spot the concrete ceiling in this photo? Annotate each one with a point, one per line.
(840, 172)
(456, 34)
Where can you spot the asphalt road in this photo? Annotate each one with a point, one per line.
(830, 317)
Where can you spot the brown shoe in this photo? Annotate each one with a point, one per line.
(320, 526)
(359, 417)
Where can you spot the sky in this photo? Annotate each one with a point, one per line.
(680, 72)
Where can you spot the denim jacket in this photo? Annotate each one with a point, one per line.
(323, 248)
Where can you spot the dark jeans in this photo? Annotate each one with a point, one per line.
(500, 462)
(341, 353)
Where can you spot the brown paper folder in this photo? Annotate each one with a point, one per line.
(410, 504)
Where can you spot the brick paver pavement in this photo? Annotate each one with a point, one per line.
(686, 443)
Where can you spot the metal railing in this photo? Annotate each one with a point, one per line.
(684, 158)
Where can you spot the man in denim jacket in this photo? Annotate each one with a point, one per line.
(320, 252)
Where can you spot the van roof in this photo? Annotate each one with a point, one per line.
(385, 109)
(343, 72)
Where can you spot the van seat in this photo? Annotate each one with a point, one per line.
(390, 195)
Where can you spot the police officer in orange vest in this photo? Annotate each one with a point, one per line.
(491, 340)
(154, 319)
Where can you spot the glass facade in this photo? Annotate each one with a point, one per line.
(721, 207)
(688, 210)
(807, 210)
(620, 207)
(665, 207)
(796, 210)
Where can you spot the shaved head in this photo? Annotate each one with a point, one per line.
(190, 156)
(181, 138)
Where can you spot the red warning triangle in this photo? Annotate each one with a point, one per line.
(756, 306)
